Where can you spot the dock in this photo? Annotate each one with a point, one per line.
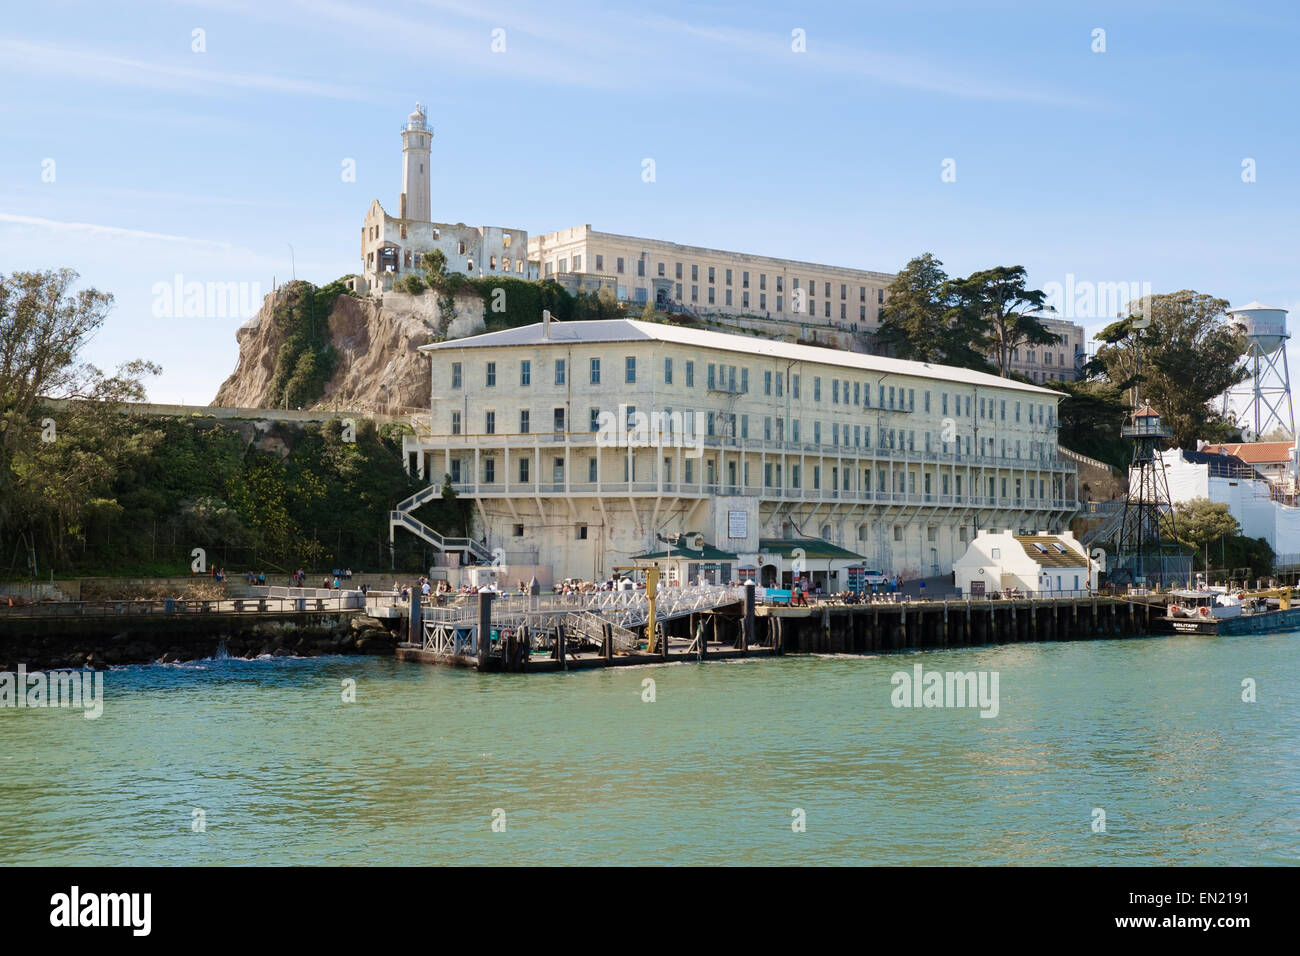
(610, 629)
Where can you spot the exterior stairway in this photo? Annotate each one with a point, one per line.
(400, 517)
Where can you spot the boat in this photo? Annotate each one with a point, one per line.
(1219, 611)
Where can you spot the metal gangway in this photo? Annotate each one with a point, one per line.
(587, 616)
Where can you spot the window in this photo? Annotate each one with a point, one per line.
(455, 423)
(898, 532)
(794, 386)
(559, 371)
(695, 273)
(711, 277)
(591, 470)
(679, 270)
(582, 532)
(557, 418)
(489, 470)
(618, 266)
(595, 371)
(523, 421)
(661, 269)
(728, 277)
(668, 371)
(695, 293)
(491, 374)
(519, 529)
(600, 263)
(525, 372)
(490, 422)
(595, 419)
(817, 388)
(629, 369)
(523, 476)
(728, 297)
(767, 383)
(455, 375)
(640, 267)
(690, 374)
(744, 379)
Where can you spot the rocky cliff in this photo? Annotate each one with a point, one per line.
(379, 368)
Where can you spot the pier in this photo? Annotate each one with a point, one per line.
(610, 628)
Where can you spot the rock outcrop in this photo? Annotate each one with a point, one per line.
(377, 338)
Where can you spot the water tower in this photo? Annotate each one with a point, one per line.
(1267, 393)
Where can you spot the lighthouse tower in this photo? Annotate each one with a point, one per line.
(416, 140)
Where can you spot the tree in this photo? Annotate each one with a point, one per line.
(1200, 522)
(435, 268)
(1091, 416)
(1190, 356)
(56, 463)
(648, 313)
(923, 319)
(914, 319)
(998, 300)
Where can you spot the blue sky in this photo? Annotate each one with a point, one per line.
(1123, 165)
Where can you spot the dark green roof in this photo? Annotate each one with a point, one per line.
(706, 553)
(812, 548)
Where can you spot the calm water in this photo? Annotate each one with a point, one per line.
(1152, 731)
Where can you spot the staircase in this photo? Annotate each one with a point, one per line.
(400, 517)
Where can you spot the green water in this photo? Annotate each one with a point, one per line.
(1152, 731)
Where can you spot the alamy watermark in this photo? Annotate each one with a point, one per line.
(59, 688)
(922, 688)
(629, 428)
(179, 299)
(1084, 299)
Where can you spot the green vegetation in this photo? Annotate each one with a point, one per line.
(86, 489)
(932, 318)
(1091, 416)
(1212, 534)
(1190, 356)
(508, 302)
(306, 360)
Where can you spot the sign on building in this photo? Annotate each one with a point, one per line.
(737, 524)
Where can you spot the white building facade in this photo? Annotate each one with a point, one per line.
(739, 438)
(1040, 563)
(1260, 507)
(715, 281)
(394, 246)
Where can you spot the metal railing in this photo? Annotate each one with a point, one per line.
(182, 606)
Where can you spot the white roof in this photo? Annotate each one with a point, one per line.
(630, 330)
(1257, 306)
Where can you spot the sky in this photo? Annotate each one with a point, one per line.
(147, 143)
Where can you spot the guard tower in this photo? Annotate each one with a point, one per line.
(1267, 393)
(1146, 556)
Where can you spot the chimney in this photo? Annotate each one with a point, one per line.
(546, 323)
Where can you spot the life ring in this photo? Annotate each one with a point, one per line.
(1203, 611)
(1173, 610)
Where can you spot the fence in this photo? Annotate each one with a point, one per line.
(339, 601)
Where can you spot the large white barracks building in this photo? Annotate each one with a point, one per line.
(587, 444)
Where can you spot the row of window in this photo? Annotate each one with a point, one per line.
(561, 265)
(730, 425)
(733, 379)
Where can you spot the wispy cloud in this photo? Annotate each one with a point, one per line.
(91, 228)
(892, 69)
(27, 58)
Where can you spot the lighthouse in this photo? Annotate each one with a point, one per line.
(416, 141)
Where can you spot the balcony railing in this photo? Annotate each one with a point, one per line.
(530, 441)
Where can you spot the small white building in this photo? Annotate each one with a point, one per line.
(1029, 563)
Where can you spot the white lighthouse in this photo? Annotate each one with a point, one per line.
(1267, 393)
(416, 141)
